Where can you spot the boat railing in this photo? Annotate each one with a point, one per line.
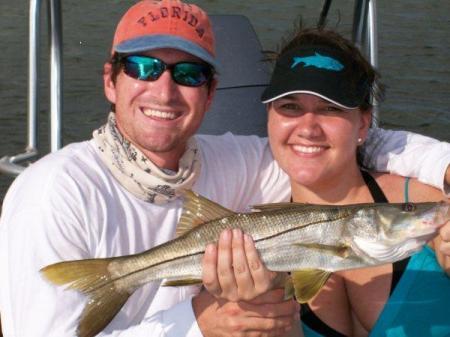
(13, 165)
(364, 35)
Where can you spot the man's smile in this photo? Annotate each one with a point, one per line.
(158, 114)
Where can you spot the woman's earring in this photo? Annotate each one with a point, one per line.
(360, 141)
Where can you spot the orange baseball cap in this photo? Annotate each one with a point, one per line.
(153, 24)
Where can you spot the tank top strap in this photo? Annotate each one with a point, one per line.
(406, 191)
(375, 190)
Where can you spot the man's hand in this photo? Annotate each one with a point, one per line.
(442, 247)
(268, 315)
(233, 270)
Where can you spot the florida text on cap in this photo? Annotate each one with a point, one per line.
(320, 71)
(151, 24)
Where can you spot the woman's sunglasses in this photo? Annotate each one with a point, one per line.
(147, 68)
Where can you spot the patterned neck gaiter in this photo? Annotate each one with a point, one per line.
(136, 173)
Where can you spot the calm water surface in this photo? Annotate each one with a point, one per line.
(414, 43)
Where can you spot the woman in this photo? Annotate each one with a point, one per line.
(319, 112)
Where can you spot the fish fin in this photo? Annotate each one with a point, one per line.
(198, 210)
(178, 283)
(284, 280)
(342, 250)
(308, 282)
(289, 289)
(102, 306)
(92, 278)
(81, 275)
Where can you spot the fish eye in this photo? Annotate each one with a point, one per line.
(408, 207)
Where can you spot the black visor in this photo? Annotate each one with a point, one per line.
(320, 71)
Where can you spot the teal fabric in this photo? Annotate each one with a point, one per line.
(406, 191)
(419, 305)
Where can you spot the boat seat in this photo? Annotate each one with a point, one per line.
(243, 76)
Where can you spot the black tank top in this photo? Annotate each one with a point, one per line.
(308, 316)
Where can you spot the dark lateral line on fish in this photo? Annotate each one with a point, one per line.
(259, 240)
(202, 252)
(294, 229)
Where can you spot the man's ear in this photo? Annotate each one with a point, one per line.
(211, 93)
(108, 84)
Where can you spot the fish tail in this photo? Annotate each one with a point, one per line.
(92, 278)
(102, 306)
(81, 275)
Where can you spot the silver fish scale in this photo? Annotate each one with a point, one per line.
(261, 225)
(181, 258)
(293, 251)
(289, 238)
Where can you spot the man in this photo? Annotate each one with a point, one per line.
(119, 194)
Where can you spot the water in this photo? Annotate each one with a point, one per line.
(414, 43)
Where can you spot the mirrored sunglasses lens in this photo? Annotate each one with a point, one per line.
(191, 74)
(143, 68)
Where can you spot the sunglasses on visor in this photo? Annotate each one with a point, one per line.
(147, 68)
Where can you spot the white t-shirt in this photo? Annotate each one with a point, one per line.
(68, 206)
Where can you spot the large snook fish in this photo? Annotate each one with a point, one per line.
(310, 241)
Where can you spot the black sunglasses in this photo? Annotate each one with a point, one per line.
(147, 68)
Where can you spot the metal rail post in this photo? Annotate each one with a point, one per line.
(55, 75)
(365, 36)
(372, 40)
(10, 165)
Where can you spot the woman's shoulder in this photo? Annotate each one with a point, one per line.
(398, 188)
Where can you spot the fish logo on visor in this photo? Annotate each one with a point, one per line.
(318, 61)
